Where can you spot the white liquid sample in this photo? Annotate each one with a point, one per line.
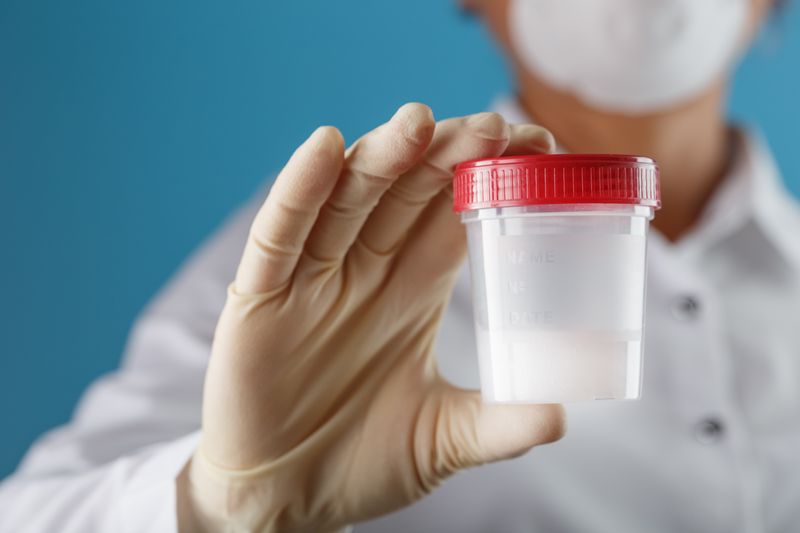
(533, 367)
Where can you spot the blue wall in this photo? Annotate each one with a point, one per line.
(129, 129)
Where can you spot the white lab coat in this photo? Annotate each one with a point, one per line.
(713, 445)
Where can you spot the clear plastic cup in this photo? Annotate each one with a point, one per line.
(557, 247)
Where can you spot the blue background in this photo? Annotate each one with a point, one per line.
(128, 130)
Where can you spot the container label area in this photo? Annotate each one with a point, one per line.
(590, 282)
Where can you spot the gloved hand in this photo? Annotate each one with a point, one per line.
(322, 404)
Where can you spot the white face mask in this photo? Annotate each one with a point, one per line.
(629, 56)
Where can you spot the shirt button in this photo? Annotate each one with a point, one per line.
(686, 308)
(709, 431)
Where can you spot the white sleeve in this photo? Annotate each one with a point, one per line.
(113, 466)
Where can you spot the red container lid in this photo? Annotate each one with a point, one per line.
(556, 179)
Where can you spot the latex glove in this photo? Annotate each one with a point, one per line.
(322, 404)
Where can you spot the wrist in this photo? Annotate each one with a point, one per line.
(212, 499)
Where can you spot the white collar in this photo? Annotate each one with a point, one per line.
(752, 191)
